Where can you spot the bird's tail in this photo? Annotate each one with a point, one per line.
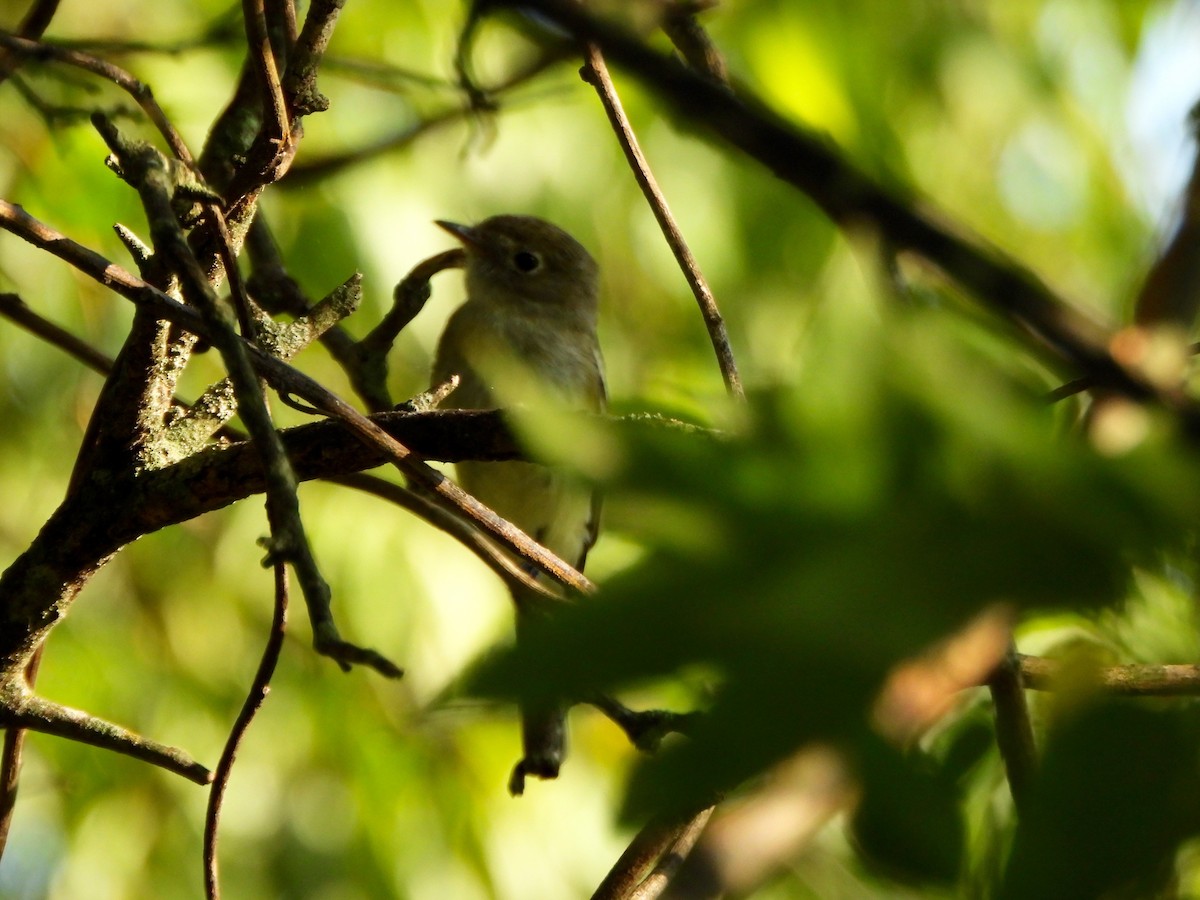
(543, 727)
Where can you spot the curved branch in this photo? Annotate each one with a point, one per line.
(850, 197)
(259, 689)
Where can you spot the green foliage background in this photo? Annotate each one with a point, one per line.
(895, 470)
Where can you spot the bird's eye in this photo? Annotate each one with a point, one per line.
(526, 262)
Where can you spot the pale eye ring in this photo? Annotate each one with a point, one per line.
(526, 262)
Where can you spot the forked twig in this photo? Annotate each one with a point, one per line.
(286, 378)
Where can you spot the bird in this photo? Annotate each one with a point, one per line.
(526, 334)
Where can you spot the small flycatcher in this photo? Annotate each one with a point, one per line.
(527, 334)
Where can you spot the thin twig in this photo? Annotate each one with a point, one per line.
(282, 29)
(278, 292)
(300, 79)
(276, 120)
(308, 171)
(595, 73)
(408, 299)
(56, 114)
(140, 92)
(223, 29)
(37, 18)
(24, 709)
(500, 563)
(259, 689)
(1087, 382)
(679, 23)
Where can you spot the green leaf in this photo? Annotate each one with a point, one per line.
(909, 823)
(1118, 791)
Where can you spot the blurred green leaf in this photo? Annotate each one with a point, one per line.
(1117, 792)
(833, 535)
(910, 822)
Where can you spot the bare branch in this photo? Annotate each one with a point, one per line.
(646, 867)
(10, 763)
(595, 72)
(145, 169)
(676, 855)
(690, 39)
(276, 127)
(259, 689)
(24, 709)
(15, 309)
(300, 79)
(1144, 680)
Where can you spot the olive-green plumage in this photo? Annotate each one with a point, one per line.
(527, 334)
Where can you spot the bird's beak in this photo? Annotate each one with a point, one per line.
(464, 233)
